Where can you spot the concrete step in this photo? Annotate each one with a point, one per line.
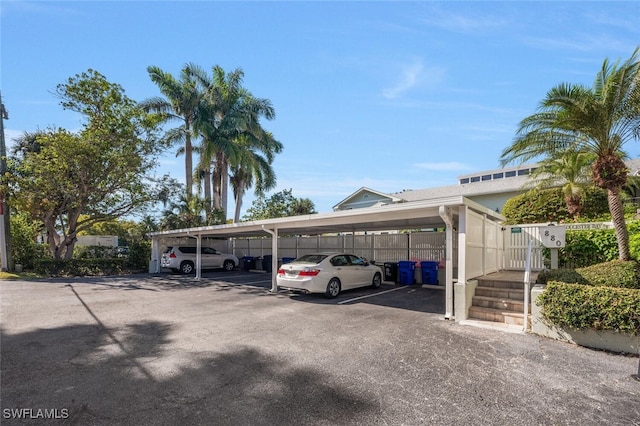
(497, 315)
(498, 303)
(501, 293)
(482, 282)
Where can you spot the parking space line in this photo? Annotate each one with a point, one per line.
(369, 295)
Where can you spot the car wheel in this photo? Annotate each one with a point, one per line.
(228, 265)
(186, 267)
(333, 288)
(377, 281)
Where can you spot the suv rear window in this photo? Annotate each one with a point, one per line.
(187, 250)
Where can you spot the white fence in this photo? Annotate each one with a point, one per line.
(516, 238)
(484, 246)
(487, 250)
(97, 240)
(421, 246)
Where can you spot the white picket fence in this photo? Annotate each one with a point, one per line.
(517, 237)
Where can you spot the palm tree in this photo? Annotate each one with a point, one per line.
(228, 112)
(571, 170)
(600, 120)
(251, 166)
(187, 212)
(26, 143)
(181, 102)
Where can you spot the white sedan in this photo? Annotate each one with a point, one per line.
(328, 273)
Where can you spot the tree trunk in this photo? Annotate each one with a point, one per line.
(224, 191)
(220, 184)
(69, 244)
(188, 160)
(217, 180)
(574, 204)
(617, 217)
(238, 200)
(53, 238)
(207, 193)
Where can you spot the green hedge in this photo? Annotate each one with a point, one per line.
(80, 267)
(588, 247)
(580, 307)
(548, 205)
(616, 273)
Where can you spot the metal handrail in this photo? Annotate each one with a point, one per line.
(527, 284)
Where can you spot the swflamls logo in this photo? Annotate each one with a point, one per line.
(35, 413)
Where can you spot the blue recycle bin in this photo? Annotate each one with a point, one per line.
(406, 271)
(248, 263)
(429, 272)
(288, 259)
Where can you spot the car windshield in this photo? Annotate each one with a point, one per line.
(310, 258)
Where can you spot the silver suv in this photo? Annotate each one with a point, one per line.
(183, 259)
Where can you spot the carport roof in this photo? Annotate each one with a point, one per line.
(411, 215)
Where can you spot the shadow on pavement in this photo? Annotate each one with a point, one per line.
(132, 375)
(414, 298)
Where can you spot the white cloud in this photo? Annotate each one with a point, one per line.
(413, 75)
(459, 23)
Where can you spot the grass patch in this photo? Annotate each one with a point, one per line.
(15, 276)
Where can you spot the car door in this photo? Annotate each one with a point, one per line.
(210, 258)
(344, 270)
(360, 271)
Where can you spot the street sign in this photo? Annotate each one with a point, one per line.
(552, 236)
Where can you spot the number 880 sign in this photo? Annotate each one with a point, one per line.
(552, 236)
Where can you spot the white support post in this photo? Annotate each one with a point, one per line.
(554, 258)
(274, 257)
(198, 257)
(527, 285)
(3, 243)
(447, 217)
(154, 262)
(462, 244)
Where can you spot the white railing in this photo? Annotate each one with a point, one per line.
(516, 239)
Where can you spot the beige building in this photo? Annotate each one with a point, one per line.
(490, 188)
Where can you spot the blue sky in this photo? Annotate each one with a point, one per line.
(389, 95)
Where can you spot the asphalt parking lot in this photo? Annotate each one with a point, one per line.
(167, 349)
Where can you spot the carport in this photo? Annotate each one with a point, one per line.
(477, 229)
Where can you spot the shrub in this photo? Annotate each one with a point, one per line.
(94, 252)
(579, 307)
(616, 273)
(79, 267)
(588, 247)
(139, 255)
(536, 206)
(633, 227)
(548, 205)
(24, 247)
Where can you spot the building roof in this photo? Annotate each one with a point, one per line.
(493, 186)
(513, 184)
(364, 190)
(421, 214)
